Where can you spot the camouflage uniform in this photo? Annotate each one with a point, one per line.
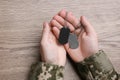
(44, 71)
(95, 67)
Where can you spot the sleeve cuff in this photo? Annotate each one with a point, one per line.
(97, 67)
(44, 71)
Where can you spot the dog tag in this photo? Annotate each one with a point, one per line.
(64, 35)
(73, 42)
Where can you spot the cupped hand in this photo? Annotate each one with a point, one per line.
(52, 51)
(86, 35)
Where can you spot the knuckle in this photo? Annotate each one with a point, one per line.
(53, 21)
(55, 17)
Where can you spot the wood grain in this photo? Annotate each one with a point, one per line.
(21, 26)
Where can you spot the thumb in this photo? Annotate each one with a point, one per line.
(86, 24)
(46, 30)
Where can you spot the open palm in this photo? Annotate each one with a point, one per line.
(52, 51)
(87, 38)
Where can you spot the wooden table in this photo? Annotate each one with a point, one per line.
(21, 26)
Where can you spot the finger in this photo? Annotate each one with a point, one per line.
(66, 46)
(63, 22)
(82, 31)
(87, 26)
(46, 30)
(56, 24)
(62, 11)
(70, 17)
(56, 32)
(77, 31)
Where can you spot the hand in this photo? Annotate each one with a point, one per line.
(52, 51)
(87, 38)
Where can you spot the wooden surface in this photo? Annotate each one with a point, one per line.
(21, 25)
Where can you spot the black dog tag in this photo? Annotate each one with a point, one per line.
(64, 35)
(73, 42)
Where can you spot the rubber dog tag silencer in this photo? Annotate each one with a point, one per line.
(64, 35)
(73, 42)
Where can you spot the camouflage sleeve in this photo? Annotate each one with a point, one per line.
(44, 71)
(97, 67)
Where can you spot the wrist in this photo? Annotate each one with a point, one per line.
(55, 62)
(91, 52)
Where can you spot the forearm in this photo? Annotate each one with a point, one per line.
(97, 67)
(44, 71)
